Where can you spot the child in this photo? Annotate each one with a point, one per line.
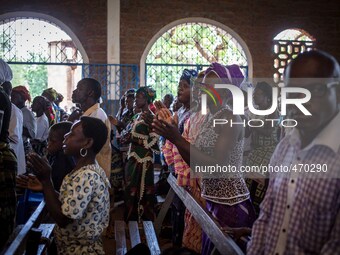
(61, 164)
(81, 210)
(39, 106)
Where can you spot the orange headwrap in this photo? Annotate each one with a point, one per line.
(23, 91)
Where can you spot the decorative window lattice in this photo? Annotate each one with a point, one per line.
(287, 45)
(25, 39)
(191, 45)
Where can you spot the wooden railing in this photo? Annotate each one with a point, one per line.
(18, 244)
(223, 243)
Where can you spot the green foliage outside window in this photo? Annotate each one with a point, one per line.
(189, 45)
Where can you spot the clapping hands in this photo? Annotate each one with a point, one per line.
(40, 166)
(29, 182)
(163, 113)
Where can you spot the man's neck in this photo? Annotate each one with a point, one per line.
(20, 106)
(84, 107)
(39, 114)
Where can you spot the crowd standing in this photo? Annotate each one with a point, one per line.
(85, 161)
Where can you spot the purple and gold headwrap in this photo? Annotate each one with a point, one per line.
(149, 93)
(231, 74)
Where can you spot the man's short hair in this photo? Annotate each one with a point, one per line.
(94, 85)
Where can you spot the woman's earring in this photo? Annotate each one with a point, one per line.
(83, 152)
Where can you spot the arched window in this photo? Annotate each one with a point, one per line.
(42, 52)
(190, 44)
(287, 45)
(27, 39)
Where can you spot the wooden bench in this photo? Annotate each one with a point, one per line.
(20, 238)
(122, 245)
(223, 243)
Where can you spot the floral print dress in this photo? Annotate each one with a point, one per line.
(84, 196)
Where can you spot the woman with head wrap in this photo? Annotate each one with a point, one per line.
(183, 96)
(170, 151)
(122, 120)
(24, 93)
(8, 165)
(139, 173)
(53, 111)
(19, 97)
(63, 114)
(192, 234)
(226, 194)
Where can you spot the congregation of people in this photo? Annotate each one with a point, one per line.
(86, 161)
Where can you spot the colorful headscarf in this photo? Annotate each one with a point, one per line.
(149, 93)
(22, 90)
(188, 75)
(51, 92)
(228, 74)
(236, 75)
(5, 72)
(60, 97)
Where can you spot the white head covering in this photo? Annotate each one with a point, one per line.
(5, 72)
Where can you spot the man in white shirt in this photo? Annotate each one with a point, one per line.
(87, 94)
(15, 131)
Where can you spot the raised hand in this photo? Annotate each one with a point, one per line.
(162, 112)
(29, 182)
(165, 129)
(159, 105)
(175, 119)
(165, 114)
(40, 166)
(113, 120)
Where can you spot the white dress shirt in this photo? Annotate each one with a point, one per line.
(15, 137)
(42, 128)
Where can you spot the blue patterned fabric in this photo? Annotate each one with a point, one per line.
(84, 197)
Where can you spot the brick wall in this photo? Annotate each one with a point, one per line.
(86, 18)
(257, 22)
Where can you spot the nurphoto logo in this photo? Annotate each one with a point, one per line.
(238, 98)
